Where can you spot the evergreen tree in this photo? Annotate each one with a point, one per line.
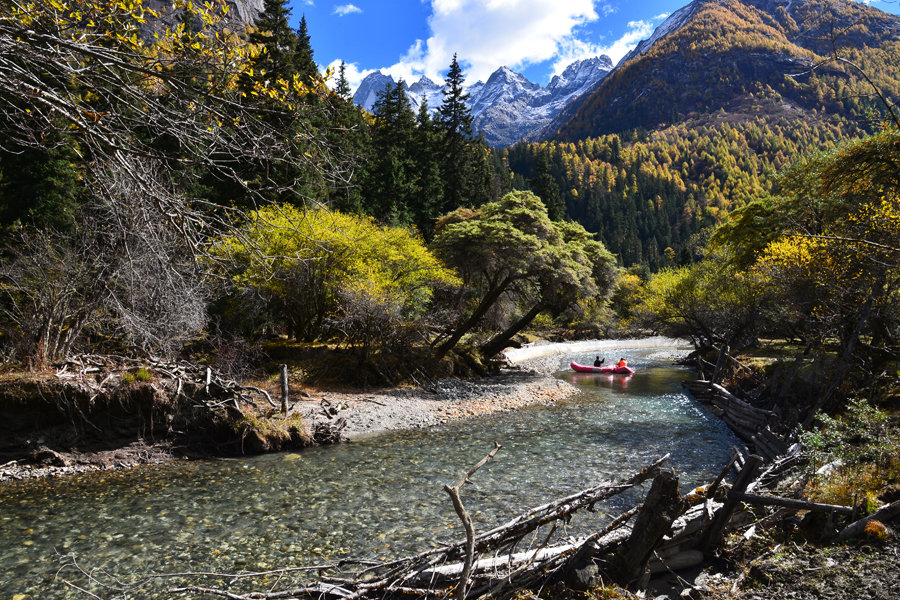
(544, 186)
(343, 87)
(455, 121)
(274, 34)
(349, 139)
(39, 187)
(430, 192)
(391, 190)
(305, 64)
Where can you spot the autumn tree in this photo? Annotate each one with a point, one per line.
(710, 303)
(831, 242)
(511, 247)
(327, 275)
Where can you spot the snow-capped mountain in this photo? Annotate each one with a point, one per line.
(673, 23)
(367, 93)
(427, 90)
(507, 107)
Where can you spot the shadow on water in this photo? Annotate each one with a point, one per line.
(378, 497)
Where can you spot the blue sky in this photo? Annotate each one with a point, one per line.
(539, 38)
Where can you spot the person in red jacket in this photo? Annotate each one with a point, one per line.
(622, 363)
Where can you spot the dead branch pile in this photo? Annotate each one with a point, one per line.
(201, 385)
(515, 555)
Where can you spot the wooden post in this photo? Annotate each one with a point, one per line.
(723, 515)
(720, 364)
(285, 390)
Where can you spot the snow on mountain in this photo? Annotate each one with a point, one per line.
(504, 86)
(425, 89)
(674, 22)
(507, 107)
(510, 108)
(367, 93)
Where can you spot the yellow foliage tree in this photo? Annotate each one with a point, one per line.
(326, 274)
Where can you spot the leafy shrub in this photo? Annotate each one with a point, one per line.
(328, 275)
(852, 455)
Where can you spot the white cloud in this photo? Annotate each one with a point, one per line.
(574, 49)
(351, 72)
(609, 9)
(345, 9)
(489, 33)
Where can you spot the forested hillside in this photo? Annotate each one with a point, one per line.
(649, 194)
(725, 51)
(698, 122)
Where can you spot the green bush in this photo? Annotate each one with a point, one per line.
(861, 446)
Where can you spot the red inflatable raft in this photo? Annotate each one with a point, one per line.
(607, 369)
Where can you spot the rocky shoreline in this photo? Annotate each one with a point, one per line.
(527, 380)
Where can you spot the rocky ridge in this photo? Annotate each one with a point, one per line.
(507, 107)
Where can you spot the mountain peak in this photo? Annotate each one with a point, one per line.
(373, 84)
(715, 55)
(505, 108)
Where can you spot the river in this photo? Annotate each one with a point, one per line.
(379, 496)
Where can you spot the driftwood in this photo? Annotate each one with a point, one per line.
(723, 515)
(790, 503)
(750, 423)
(661, 507)
(453, 491)
(497, 562)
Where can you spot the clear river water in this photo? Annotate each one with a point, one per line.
(377, 497)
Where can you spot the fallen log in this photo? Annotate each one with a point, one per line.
(884, 514)
(723, 515)
(790, 503)
(661, 507)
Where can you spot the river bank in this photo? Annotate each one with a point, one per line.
(527, 380)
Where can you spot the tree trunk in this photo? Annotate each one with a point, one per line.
(501, 340)
(486, 303)
(843, 367)
(661, 507)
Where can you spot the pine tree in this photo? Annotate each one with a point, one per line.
(455, 121)
(274, 34)
(430, 192)
(545, 188)
(391, 189)
(343, 86)
(304, 62)
(349, 137)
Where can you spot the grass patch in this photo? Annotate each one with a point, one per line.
(139, 374)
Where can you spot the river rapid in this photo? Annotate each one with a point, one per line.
(380, 496)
